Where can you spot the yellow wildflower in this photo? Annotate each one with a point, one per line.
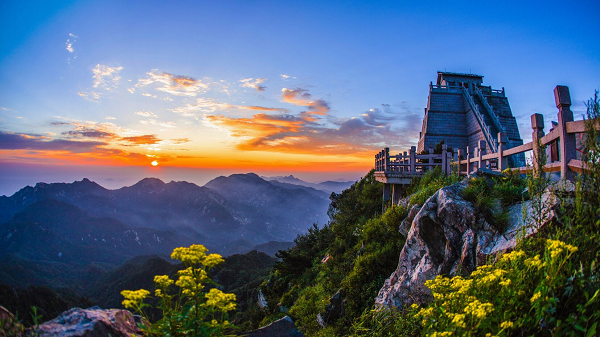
(507, 325)
(536, 297)
(163, 281)
(459, 321)
(190, 255)
(220, 300)
(134, 298)
(212, 260)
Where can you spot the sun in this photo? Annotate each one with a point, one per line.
(154, 163)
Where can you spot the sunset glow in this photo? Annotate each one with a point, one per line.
(266, 88)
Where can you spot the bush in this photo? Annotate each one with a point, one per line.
(420, 189)
(191, 310)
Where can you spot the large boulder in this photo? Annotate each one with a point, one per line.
(448, 237)
(284, 327)
(92, 322)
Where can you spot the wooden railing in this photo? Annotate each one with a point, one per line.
(562, 137)
(413, 163)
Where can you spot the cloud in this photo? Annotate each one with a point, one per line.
(285, 76)
(176, 85)
(157, 123)
(146, 114)
(303, 134)
(149, 95)
(106, 77)
(70, 46)
(142, 140)
(88, 133)
(91, 96)
(20, 141)
(301, 97)
(110, 117)
(253, 84)
(208, 105)
(131, 90)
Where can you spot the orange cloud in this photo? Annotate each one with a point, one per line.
(301, 134)
(142, 140)
(177, 85)
(301, 97)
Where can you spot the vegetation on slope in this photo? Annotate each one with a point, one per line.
(547, 286)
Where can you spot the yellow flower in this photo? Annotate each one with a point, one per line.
(479, 310)
(459, 321)
(535, 297)
(506, 325)
(212, 260)
(220, 300)
(163, 281)
(134, 298)
(190, 256)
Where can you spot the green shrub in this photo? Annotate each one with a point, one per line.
(420, 189)
(310, 302)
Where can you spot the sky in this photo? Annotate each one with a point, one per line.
(116, 91)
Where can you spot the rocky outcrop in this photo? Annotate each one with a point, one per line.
(92, 322)
(284, 327)
(333, 311)
(448, 237)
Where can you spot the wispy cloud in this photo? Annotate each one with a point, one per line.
(157, 123)
(177, 85)
(91, 96)
(285, 76)
(106, 77)
(70, 47)
(110, 117)
(301, 97)
(20, 141)
(146, 114)
(253, 84)
(208, 105)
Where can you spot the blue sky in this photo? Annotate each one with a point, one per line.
(103, 89)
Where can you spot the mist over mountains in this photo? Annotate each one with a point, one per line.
(83, 222)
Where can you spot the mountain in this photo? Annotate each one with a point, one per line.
(267, 211)
(231, 208)
(272, 247)
(52, 230)
(325, 186)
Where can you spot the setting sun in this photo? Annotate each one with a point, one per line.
(154, 163)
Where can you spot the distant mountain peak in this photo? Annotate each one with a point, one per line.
(150, 182)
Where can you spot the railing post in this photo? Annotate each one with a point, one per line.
(480, 153)
(567, 141)
(413, 157)
(404, 159)
(445, 158)
(502, 160)
(537, 124)
(459, 164)
(387, 159)
(468, 157)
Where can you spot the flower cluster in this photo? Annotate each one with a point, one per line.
(134, 298)
(191, 310)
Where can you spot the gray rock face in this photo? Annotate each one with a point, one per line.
(92, 322)
(333, 311)
(284, 327)
(447, 237)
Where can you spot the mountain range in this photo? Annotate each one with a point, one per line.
(67, 235)
(325, 186)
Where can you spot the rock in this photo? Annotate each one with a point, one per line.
(284, 327)
(333, 311)
(406, 223)
(448, 237)
(92, 322)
